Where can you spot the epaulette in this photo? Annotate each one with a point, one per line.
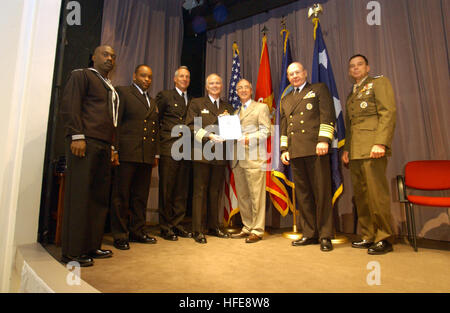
(378, 76)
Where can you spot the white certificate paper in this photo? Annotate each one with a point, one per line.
(230, 127)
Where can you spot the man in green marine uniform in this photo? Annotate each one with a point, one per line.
(370, 123)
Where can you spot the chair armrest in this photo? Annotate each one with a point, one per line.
(401, 189)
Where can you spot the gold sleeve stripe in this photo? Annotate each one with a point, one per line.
(284, 141)
(200, 134)
(326, 131)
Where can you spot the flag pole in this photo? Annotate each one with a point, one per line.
(313, 13)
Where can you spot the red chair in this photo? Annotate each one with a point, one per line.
(423, 175)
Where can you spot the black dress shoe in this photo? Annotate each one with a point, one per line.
(121, 244)
(84, 260)
(326, 245)
(304, 241)
(199, 237)
(100, 254)
(381, 247)
(362, 244)
(182, 232)
(168, 235)
(144, 238)
(218, 233)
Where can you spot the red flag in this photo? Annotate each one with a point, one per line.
(264, 93)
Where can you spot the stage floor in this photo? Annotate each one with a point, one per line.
(269, 266)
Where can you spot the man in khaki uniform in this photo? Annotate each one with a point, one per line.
(370, 123)
(249, 166)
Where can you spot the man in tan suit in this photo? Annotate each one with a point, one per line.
(370, 123)
(249, 164)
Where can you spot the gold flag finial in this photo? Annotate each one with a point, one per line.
(283, 22)
(314, 12)
(235, 48)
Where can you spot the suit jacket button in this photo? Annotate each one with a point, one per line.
(303, 130)
(291, 124)
(292, 133)
(145, 138)
(153, 123)
(153, 139)
(301, 113)
(145, 129)
(290, 116)
(301, 122)
(145, 121)
(153, 131)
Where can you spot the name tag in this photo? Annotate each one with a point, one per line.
(205, 111)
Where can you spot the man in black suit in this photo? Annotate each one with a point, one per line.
(209, 171)
(138, 145)
(173, 173)
(89, 111)
(307, 128)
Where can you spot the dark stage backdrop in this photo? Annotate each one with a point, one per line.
(143, 31)
(410, 47)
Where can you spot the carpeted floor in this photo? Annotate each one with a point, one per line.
(271, 265)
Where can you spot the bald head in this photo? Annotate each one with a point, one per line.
(296, 74)
(104, 59)
(214, 85)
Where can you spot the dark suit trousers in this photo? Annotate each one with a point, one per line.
(312, 179)
(86, 198)
(208, 187)
(173, 191)
(130, 196)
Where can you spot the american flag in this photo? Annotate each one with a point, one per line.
(231, 202)
(233, 98)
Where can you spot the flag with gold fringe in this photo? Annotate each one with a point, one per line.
(322, 72)
(281, 187)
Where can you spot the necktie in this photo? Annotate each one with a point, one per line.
(146, 98)
(216, 104)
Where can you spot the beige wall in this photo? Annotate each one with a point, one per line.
(28, 32)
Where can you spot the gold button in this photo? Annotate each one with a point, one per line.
(331, 123)
(181, 126)
(181, 118)
(145, 121)
(153, 123)
(153, 131)
(153, 139)
(145, 138)
(292, 133)
(145, 129)
(303, 130)
(301, 122)
(301, 113)
(291, 124)
(290, 116)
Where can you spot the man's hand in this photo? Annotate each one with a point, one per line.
(78, 148)
(215, 138)
(322, 148)
(345, 158)
(114, 158)
(285, 158)
(378, 151)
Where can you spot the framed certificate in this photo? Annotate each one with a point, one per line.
(230, 127)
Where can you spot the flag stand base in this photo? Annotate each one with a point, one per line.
(232, 230)
(339, 239)
(293, 235)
